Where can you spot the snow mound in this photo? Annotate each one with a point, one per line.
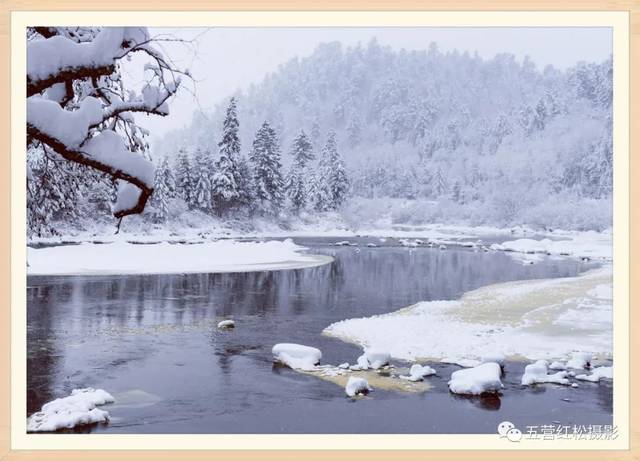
(226, 324)
(297, 356)
(478, 380)
(579, 244)
(418, 372)
(580, 360)
(536, 373)
(75, 410)
(597, 374)
(356, 386)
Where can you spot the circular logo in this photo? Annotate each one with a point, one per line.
(504, 427)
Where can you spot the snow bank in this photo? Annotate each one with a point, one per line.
(536, 373)
(515, 318)
(297, 356)
(597, 374)
(477, 380)
(126, 258)
(75, 410)
(589, 244)
(356, 386)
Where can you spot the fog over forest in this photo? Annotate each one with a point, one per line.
(411, 137)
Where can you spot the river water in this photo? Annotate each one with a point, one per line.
(152, 342)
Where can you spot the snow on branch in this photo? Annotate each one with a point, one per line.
(77, 105)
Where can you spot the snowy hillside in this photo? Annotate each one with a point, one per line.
(406, 137)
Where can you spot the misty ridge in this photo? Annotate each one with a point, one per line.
(423, 136)
(500, 142)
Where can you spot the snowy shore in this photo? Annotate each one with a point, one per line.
(122, 257)
(536, 319)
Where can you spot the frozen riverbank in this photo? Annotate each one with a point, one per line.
(535, 319)
(122, 257)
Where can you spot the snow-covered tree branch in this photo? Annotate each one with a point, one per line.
(77, 104)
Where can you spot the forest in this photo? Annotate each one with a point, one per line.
(369, 134)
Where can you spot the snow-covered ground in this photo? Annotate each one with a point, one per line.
(122, 257)
(77, 409)
(535, 319)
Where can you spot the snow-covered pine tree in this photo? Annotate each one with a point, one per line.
(440, 183)
(332, 181)
(267, 177)
(184, 179)
(319, 192)
(164, 188)
(296, 181)
(202, 194)
(224, 183)
(246, 194)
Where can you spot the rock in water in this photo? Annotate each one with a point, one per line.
(357, 386)
(296, 356)
(478, 380)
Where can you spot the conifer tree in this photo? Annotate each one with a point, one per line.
(267, 177)
(297, 179)
(224, 183)
(164, 188)
(202, 194)
(332, 183)
(184, 179)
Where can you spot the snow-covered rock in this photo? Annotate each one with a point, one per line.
(225, 324)
(597, 374)
(356, 386)
(536, 373)
(418, 372)
(377, 358)
(484, 378)
(361, 363)
(344, 365)
(75, 410)
(296, 356)
(580, 360)
(372, 245)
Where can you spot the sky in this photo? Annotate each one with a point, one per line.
(224, 60)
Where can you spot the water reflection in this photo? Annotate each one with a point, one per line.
(158, 332)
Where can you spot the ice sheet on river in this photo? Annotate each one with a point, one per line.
(536, 319)
(122, 257)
